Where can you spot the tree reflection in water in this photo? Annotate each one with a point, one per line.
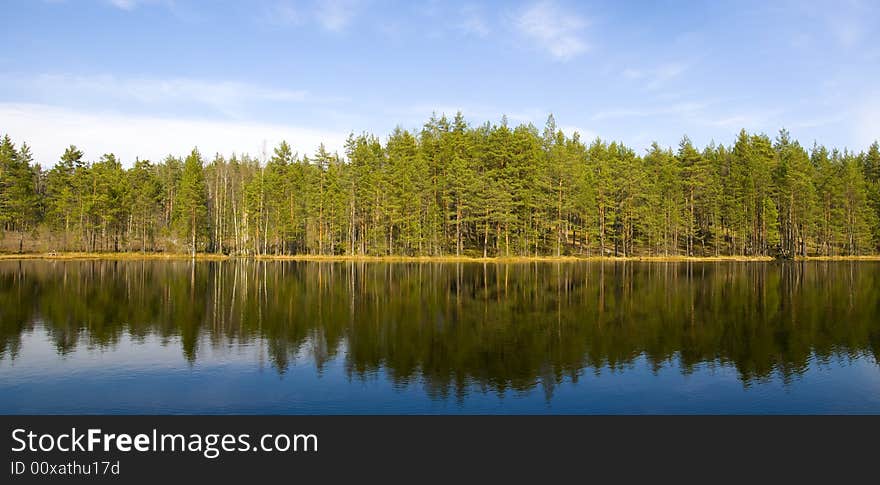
(452, 325)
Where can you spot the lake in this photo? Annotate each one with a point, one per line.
(271, 337)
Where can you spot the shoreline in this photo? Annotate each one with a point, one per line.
(136, 256)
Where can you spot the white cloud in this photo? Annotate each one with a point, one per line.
(850, 22)
(283, 13)
(848, 32)
(867, 121)
(50, 129)
(655, 77)
(428, 8)
(692, 116)
(124, 4)
(475, 114)
(129, 5)
(679, 109)
(473, 22)
(586, 135)
(750, 120)
(335, 15)
(226, 97)
(632, 74)
(553, 29)
(847, 22)
(330, 15)
(819, 122)
(662, 74)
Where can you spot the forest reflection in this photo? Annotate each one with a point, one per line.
(452, 325)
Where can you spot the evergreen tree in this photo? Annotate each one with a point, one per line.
(192, 201)
(63, 194)
(871, 168)
(105, 202)
(18, 197)
(145, 201)
(663, 203)
(858, 218)
(795, 194)
(689, 162)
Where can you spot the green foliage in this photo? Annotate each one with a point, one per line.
(454, 189)
(19, 203)
(145, 201)
(63, 193)
(191, 207)
(871, 168)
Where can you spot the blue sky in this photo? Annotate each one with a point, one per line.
(151, 77)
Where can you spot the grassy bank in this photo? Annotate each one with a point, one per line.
(134, 256)
(113, 256)
(507, 259)
(873, 257)
(402, 259)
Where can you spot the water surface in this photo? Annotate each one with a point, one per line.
(321, 338)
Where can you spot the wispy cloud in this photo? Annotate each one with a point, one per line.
(847, 31)
(554, 29)
(124, 4)
(678, 109)
(473, 21)
(847, 22)
(226, 97)
(336, 15)
(49, 129)
(585, 134)
(691, 115)
(632, 73)
(850, 22)
(820, 122)
(283, 13)
(655, 77)
(129, 5)
(866, 124)
(473, 113)
(331, 15)
(761, 119)
(663, 74)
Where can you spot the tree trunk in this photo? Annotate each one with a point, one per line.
(193, 234)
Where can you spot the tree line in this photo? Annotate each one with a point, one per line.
(452, 189)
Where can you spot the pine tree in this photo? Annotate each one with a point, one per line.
(457, 147)
(602, 166)
(18, 198)
(663, 201)
(62, 192)
(689, 162)
(795, 195)
(826, 184)
(858, 218)
(710, 199)
(527, 189)
(191, 201)
(277, 195)
(871, 168)
(106, 196)
(146, 193)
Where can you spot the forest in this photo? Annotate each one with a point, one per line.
(453, 189)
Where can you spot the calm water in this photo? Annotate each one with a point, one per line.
(286, 337)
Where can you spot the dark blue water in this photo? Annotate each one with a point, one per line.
(279, 338)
